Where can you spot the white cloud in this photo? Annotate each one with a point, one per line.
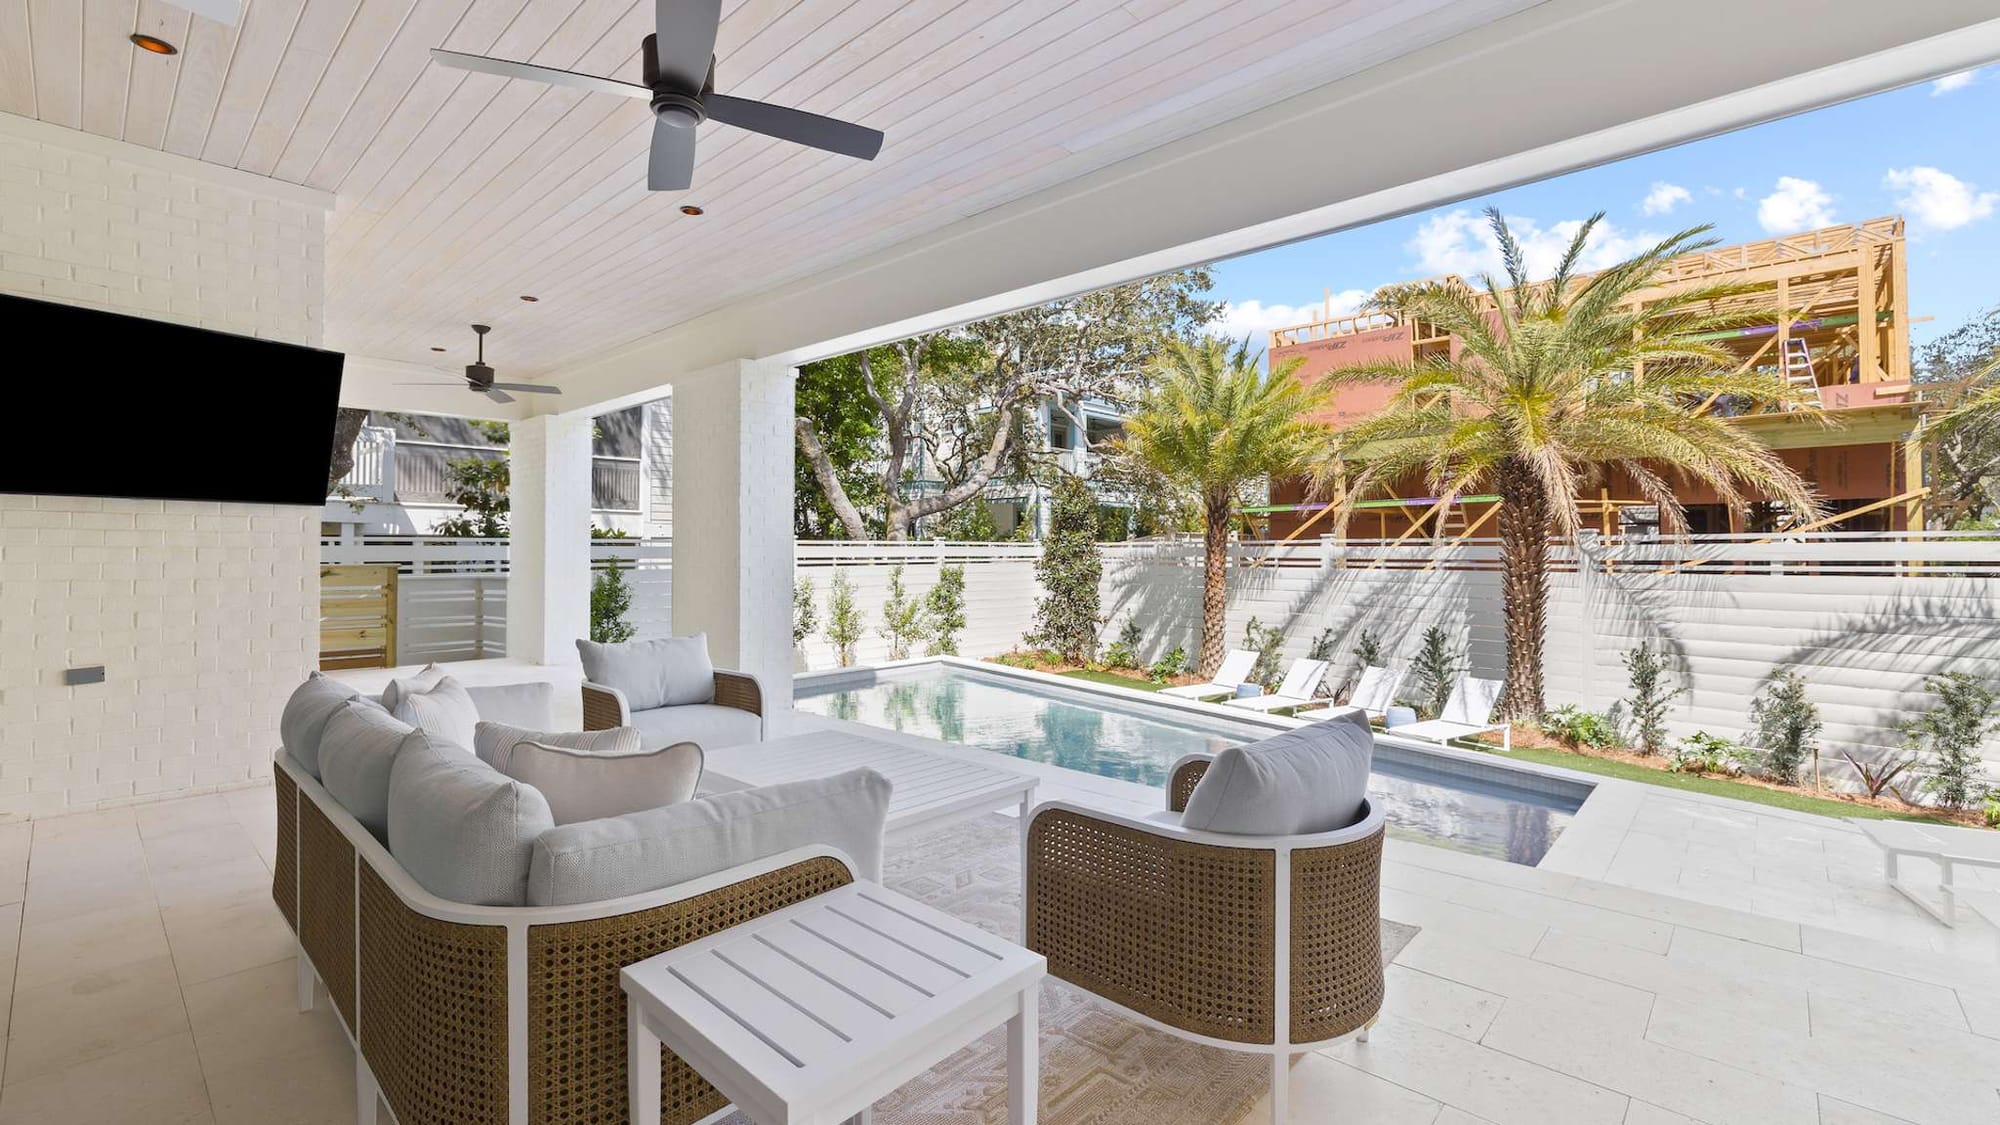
(1255, 318)
(1794, 206)
(1950, 82)
(1664, 198)
(1938, 199)
(1463, 243)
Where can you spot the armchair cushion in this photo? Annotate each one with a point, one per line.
(462, 829)
(712, 725)
(444, 711)
(493, 743)
(362, 742)
(626, 855)
(302, 726)
(531, 704)
(662, 672)
(581, 785)
(1313, 779)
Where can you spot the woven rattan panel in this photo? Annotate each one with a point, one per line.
(1181, 786)
(1336, 939)
(576, 1011)
(1178, 931)
(600, 710)
(433, 1011)
(740, 692)
(326, 905)
(285, 871)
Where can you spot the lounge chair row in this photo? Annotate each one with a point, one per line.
(1467, 712)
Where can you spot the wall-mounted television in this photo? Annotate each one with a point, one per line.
(101, 404)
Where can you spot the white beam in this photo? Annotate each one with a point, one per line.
(548, 579)
(1564, 85)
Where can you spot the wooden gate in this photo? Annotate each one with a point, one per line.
(357, 616)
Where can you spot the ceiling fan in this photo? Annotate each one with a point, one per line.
(678, 64)
(479, 377)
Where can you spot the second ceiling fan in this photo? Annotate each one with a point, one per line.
(679, 72)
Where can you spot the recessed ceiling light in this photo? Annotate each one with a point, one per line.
(154, 44)
(437, 349)
(530, 300)
(690, 209)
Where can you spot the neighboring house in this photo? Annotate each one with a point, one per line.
(401, 462)
(1073, 439)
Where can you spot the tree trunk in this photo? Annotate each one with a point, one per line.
(829, 482)
(1524, 588)
(347, 423)
(1214, 581)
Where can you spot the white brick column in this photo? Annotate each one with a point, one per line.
(548, 580)
(732, 463)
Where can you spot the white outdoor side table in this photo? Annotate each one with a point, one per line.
(810, 1014)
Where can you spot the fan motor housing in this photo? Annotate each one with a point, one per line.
(479, 374)
(678, 109)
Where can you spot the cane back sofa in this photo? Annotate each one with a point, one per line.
(1262, 944)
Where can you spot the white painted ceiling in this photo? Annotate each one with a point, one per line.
(460, 192)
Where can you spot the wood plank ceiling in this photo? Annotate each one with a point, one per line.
(460, 192)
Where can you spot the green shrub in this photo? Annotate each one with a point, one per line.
(1785, 726)
(843, 619)
(805, 612)
(1368, 650)
(1946, 738)
(1652, 691)
(1434, 672)
(1124, 652)
(902, 616)
(1575, 726)
(1066, 618)
(1168, 666)
(944, 610)
(1993, 810)
(610, 601)
(1702, 752)
(1266, 643)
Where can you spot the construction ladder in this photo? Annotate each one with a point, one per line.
(1799, 367)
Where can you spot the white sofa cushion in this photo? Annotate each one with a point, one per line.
(710, 725)
(462, 829)
(426, 678)
(361, 744)
(1313, 779)
(617, 856)
(444, 711)
(661, 672)
(494, 742)
(581, 785)
(303, 724)
(531, 704)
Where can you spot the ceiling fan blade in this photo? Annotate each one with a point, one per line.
(439, 383)
(549, 74)
(686, 39)
(795, 125)
(528, 388)
(497, 396)
(671, 167)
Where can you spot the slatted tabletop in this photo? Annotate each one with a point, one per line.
(811, 1013)
(930, 789)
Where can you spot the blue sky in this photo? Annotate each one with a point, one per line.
(1930, 152)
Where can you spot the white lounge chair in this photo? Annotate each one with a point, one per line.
(1236, 667)
(1469, 711)
(1301, 681)
(1374, 693)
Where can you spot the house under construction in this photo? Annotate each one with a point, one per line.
(1848, 336)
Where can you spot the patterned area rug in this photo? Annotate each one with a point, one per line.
(1098, 1067)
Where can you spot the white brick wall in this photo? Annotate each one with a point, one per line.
(204, 615)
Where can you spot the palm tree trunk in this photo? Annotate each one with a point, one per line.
(1524, 587)
(1214, 580)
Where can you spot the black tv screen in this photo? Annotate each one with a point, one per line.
(101, 404)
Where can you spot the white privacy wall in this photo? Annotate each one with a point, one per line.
(205, 615)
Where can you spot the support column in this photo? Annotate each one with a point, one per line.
(548, 579)
(733, 519)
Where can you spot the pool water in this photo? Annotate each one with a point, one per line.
(1427, 798)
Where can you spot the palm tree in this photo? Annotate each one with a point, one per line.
(1212, 422)
(1558, 386)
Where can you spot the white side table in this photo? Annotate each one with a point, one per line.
(810, 1014)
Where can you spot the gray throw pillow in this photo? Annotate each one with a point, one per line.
(494, 742)
(662, 672)
(303, 723)
(361, 744)
(444, 711)
(581, 785)
(531, 704)
(425, 679)
(593, 860)
(1313, 779)
(463, 830)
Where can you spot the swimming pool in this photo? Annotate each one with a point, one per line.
(1489, 810)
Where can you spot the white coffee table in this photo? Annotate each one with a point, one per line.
(930, 790)
(810, 1014)
(1944, 845)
